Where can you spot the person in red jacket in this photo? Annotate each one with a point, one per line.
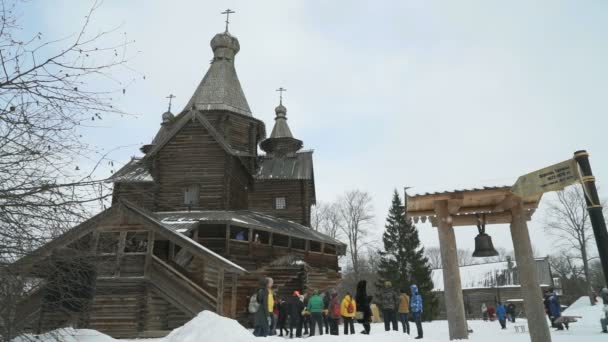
(491, 313)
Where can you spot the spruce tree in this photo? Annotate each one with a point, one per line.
(403, 262)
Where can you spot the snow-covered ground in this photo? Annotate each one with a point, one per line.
(208, 326)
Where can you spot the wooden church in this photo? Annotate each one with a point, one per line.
(193, 225)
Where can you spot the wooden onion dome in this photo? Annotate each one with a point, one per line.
(281, 142)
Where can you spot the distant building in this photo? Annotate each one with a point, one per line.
(491, 283)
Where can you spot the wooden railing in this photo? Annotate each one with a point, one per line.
(158, 265)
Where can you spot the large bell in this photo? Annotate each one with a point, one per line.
(484, 246)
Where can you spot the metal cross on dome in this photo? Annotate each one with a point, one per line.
(281, 90)
(170, 97)
(227, 12)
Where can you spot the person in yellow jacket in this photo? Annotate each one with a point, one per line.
(404, 310)
(348, 310)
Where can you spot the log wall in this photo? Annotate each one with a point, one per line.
(296, 192)
(192, 156)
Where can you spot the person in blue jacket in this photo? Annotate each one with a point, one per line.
(501, 312)
(416, 309)
(555, 310)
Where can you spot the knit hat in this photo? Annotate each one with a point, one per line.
(388, 284)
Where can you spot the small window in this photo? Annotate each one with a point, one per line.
(298, 243)
(280, 203)
(108, 243)
(315, 246)
(191, 195)
(136, 242)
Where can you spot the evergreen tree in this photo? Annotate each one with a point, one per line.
(403, 262)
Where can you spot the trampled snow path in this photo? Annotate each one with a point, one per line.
(208, 326)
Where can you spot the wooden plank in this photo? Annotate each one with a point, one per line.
(94, 241)
(180, 275)
(120, 252)
(233, 295)
(149, 253)
(220, 292)
(171, 250)
(227, 238)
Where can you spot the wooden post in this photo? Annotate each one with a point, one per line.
(454, 303)
(220, 292)
(227, 239)
(322, 247)
(250, 239)
(94, 241)
(120, 252)
(526, 266)
(195, 234)
(594, 207)
(171, 250)
(233, 296)
(149, 253)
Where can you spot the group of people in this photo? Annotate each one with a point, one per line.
(398, 307)
(324, 311)
(501, 312)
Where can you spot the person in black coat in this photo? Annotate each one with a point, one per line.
(294, 310)
(282, 320)
(326, 300)
(511, 312)
(363, 305)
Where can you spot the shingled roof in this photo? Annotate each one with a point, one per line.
(135, 171)
(220, 89)
(295, 166)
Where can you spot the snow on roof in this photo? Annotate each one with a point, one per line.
(493, 274)
(438, 188)
(478, 276)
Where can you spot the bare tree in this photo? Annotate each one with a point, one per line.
(326, 218)
(356, 213)
(434, 256)
(49, 89)
(568, 220)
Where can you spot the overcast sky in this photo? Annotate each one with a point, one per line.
(426, 94)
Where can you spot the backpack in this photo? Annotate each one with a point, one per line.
(335, 309)
(605, 297)
(350, 308)
(254, 304)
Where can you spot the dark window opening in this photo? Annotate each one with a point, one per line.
(108, 243)
(280, 203)
(315, 246)
(212, 231)
(261, 237)
(330, 249)
(298, 243)
(280, 240)
(239, 234)
(136, 242)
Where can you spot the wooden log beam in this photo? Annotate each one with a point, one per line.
(469, 210)
(451, 273)
(454, 205)
(471, 220)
